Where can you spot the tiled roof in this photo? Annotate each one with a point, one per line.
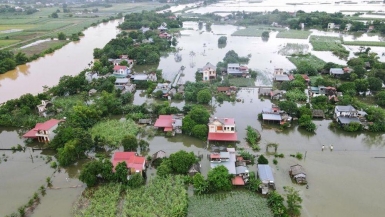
(223, 136)
(41, 126)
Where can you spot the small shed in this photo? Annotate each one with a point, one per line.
(194, 169)
(92, 92)
(298, 174)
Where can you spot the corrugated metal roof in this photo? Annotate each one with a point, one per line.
(272, 117)
(265, 173)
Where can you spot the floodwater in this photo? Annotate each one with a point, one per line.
(284, 5)
(69, 60)
(345, 182)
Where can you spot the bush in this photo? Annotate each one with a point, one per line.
(53, 164)
(262, 160)
(275, 162)
(353, 127)
(298, 156)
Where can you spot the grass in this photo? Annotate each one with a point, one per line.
(365, 43)
(236, 203)
(113, 131)
(293, 48)
(313, 79)
(313, 60)
(296, 34)
(7, 42)
(242, 82)
(327, 43)
(50, 26)
(39, 48)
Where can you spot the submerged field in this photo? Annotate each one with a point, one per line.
(21, 29)
(327, 43)
(238, 203)
(311, 59)
(296, 34)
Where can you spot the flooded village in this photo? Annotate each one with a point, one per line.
(339, 172)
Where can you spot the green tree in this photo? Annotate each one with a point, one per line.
(353, 127)
(158, 94)
(67, 155)
(164, 169)
(288, 106)
(361, 85)
(200, 184)
(262, 160)
(21, 58)
(305, 122)
(130, 143)
(61, 36)
(303, 110)
(89, 173)
(265, 34)
(218, 179)
(54, 15)
(347, 86)
(181, 161)
(200, 131)
(121, 172)
(380, 98)
(188, 125)
(276, 204)
(199, 114)
(306, 68)
(204, 96)
(136, 180)
(222, 40)
(293, 201)
(174, 42)
(375, 84)
(84, 116)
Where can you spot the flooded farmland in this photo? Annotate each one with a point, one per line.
(344, 182)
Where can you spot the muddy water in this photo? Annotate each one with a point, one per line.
(345, 182)
(270, 5)
(69, 60)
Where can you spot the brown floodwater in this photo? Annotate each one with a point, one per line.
(345, 182)
(69, 60)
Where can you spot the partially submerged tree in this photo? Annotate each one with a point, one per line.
(218, 179)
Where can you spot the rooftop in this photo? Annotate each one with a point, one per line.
(237, 180)
(117, 67)
(209, 66)
(347, 108)
(272, 117)
(230, 165)
(282, 78)
(336, 71)
(347, 120)
(223, 137)
(41, 126)
(132, 160)
(265, 173)
(229, 121)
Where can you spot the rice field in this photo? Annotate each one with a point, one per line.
(249, 32)
(365, 43)
(235, 203)
(50, 26)
(296, 34)
(7, 42)
(313, 60)
(100, 201)
(327, 43)
(293, 48)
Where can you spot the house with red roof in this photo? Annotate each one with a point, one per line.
(170, 123)
(43, 132)
(222, 129)
(135, 163)
(121, 71)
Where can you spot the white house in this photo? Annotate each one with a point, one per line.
(43, 131)
(222, 129)
(209, 72)
(345, 111)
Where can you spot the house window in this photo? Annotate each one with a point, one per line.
(219, 128)
(232, 129)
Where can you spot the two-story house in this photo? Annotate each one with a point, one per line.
(222, 129)
(121, 71)
(43, 132)
(209, 72)
(237, 70)
(346, 114)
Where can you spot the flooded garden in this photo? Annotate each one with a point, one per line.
(345, 181)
